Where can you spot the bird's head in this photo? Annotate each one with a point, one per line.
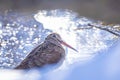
(56, 39)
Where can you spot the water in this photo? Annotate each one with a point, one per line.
(20, 33)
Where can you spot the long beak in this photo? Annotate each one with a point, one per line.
(64, 43)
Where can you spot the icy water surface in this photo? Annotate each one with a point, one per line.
(20, 33)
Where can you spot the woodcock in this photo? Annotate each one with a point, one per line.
(49, 52)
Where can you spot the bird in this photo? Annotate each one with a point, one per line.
(49, 52)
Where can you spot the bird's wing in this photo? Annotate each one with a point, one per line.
(36, 50)
(43, 54)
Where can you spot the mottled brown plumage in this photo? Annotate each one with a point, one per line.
(49, 52)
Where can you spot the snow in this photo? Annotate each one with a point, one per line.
(18, 37)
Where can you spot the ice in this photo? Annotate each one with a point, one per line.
(87, 41)
(20, 33)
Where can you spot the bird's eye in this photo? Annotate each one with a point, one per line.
(54, 35)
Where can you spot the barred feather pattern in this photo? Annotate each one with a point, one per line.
(46, 53)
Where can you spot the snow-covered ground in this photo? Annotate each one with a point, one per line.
(20, 33)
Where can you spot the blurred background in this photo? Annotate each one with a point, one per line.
(104, 10)
(104, 66)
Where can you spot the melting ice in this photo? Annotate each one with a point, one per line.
(20, 33)
(87, 41)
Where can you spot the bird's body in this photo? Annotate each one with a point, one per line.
(49, 52)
